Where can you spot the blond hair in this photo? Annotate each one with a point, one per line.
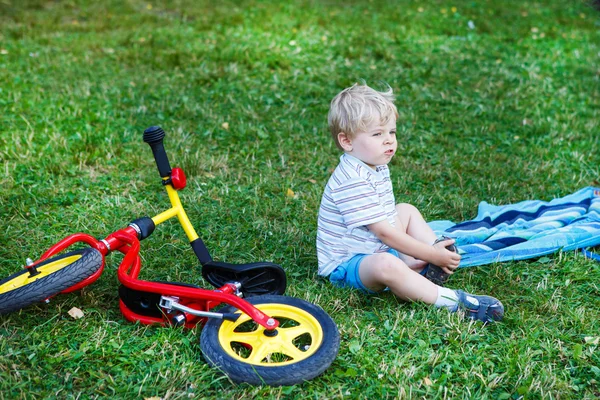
(356, 107)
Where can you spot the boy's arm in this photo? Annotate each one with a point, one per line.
(406, 244)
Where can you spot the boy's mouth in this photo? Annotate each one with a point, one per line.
(389, 152)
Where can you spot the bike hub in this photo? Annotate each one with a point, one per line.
(271, 332)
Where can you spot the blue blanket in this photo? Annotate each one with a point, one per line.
(527, 229)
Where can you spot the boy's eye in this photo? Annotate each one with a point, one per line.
(377, 134)
(392, 132)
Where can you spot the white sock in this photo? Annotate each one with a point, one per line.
(446, 298)
(449, 299)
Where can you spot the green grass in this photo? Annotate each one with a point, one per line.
(503, 112)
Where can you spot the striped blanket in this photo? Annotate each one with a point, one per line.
(527, 229)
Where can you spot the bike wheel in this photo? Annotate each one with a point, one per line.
(303, 346)
(55, 275)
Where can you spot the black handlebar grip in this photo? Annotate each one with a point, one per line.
(154, 137)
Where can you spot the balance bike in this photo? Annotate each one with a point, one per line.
(258, 336)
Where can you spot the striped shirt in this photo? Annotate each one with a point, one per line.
(355, 196)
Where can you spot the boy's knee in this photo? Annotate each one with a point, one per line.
(405, 208)
(388, 267)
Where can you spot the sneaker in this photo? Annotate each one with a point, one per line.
(434, 273)
(481, 308)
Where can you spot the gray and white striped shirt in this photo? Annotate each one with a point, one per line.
(355, 196)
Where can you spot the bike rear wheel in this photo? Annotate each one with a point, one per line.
(55, 275)
(301, 348)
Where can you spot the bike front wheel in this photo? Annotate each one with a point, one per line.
(302, 347)
(54, 275)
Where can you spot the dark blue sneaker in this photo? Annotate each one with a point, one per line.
(489, 308)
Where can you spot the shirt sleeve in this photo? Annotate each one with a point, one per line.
(358, 203)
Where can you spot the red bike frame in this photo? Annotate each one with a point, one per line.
(126, 241)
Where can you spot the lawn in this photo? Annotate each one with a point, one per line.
(498, 101)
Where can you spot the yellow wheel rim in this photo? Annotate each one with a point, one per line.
(44, 270)
(299, 335)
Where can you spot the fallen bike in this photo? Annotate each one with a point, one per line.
(257, 335)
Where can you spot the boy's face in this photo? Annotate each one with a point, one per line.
(376, 145)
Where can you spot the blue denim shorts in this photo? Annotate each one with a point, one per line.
(346, 274)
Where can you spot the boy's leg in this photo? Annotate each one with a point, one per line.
(381, 270)
(410, 221)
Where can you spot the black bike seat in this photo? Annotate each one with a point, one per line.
(257, 278)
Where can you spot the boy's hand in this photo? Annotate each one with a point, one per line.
(446, 259)
(399, 240)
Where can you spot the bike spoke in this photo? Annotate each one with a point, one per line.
(250, 338)
(259, 353)
(293, 332)
(290, 350)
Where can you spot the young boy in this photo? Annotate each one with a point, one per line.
(364, 239)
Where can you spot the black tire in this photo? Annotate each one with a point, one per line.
(218, 350)
(56, 275)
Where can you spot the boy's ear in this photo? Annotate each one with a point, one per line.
(344, 141)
